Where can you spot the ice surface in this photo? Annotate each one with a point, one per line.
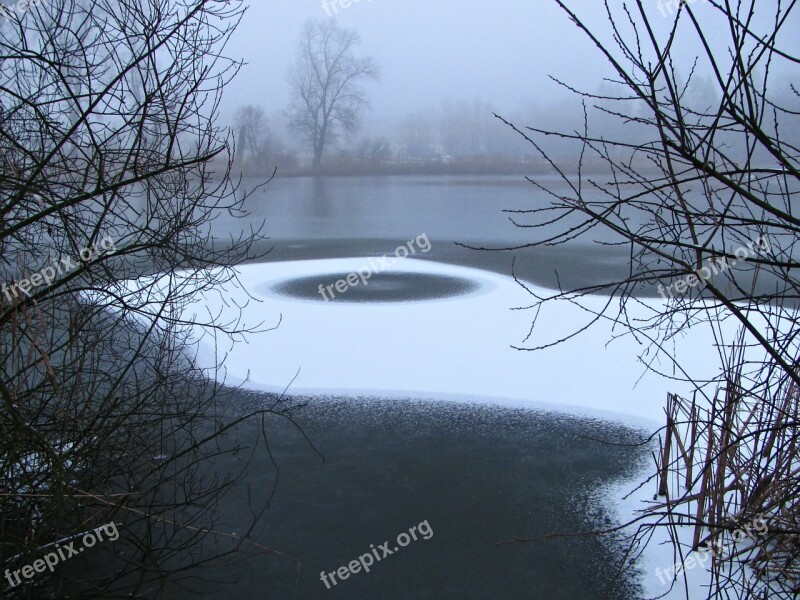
(461, 346)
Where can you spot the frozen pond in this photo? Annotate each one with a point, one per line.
(421, 396)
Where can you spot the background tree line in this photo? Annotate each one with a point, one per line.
(323, 128)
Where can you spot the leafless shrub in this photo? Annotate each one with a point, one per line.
(704, 175)
(108, 139)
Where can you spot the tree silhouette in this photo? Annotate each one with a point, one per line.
(326, 95)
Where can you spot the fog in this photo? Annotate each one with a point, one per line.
(439, 58)
(431, 50)
(428, 51)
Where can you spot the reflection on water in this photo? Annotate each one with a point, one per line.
(328, 217)
(390, 207)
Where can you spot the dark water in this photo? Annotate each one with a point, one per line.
(330, 217)
(352, 208)
(380, 287)
(334, 217)
(476, 474)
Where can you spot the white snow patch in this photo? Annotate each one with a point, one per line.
(456, 346)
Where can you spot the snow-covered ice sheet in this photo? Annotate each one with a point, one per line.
(460, 346)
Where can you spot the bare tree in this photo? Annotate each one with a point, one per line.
(251, 124)
(373, 151)
(326, 94)
(704, 206)
(416, 134)
(108, 115)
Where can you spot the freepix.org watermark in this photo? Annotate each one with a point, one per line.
(63, 551)
(331, 7)
(365, 561)
(362, 275)
(18, 9)
(59, 267)
(715, 549)
(670, 7)
(715, 267)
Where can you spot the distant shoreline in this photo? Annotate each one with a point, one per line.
(465, 167)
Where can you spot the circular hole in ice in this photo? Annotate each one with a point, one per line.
(387, 286)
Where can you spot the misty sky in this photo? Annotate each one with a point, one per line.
(430, 50)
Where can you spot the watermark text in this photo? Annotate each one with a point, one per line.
(363, 275)
(366, 560)
(62, 266)
(64, 550)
